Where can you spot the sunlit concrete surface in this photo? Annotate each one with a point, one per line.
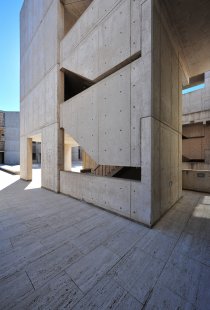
(76, 166)
(6, 179)
(36, 179)
(60, 253)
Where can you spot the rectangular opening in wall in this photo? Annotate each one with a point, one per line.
(196, 83)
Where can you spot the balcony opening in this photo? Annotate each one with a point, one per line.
(91, 167)
(74, 84)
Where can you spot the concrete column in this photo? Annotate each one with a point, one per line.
(67, 157)
(166, 116)
(26, 158)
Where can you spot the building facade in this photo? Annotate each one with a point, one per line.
(107, 76)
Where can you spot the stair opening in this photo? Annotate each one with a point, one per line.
(131, 173)
(91, 167)
(74, 84)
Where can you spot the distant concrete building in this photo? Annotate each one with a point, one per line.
(1, 137)
(10, 138)
(107, 76)
(196, 137)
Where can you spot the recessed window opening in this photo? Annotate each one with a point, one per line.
(195, 83)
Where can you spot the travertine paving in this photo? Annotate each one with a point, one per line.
(60, 253)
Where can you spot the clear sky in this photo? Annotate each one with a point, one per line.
(9, 55)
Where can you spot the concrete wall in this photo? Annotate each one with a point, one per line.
(148, 92)
(42, 28)
(104, 36)
(12, 138)
(130, 117)
(166, 114)
(102, 117)
(108, 119)
(197, 180)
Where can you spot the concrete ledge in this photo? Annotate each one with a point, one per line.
(120, 196)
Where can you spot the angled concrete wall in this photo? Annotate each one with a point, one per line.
(106, 34)
(102, 117)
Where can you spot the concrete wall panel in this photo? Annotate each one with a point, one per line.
(114, 38)
(166, 109)
(52, 156)
(124, 197)
(108, 193)
(140, 102)
(96, 11)
(100, 118)
(87, 117)
(108, 42)
(42, 27)
(39, 108)
(136, 31)
(114, 119)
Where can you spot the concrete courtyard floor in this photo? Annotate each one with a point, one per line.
(60, 253)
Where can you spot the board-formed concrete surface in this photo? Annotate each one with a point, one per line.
(61, 253)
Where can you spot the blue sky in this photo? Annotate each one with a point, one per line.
(9, 55)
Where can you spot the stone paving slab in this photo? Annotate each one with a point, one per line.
(60, 253)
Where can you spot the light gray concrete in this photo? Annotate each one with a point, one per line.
(130, 117)
(57, 252)
(12, 138)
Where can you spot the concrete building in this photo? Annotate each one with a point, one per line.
(107, 76)
(10, 138)
(1, 137)
(196, 137)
